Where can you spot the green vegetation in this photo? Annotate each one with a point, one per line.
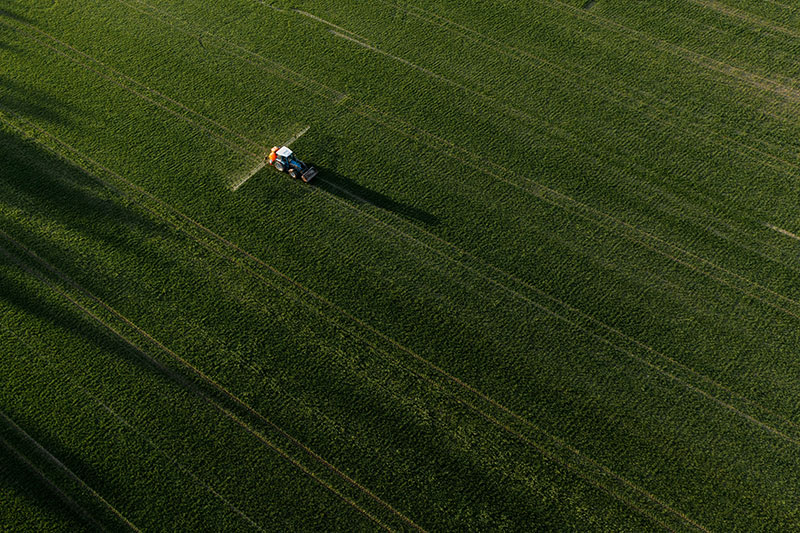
(546, 278)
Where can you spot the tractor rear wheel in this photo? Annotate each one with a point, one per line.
(277, 164)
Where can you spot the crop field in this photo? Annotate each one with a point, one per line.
(546, 278)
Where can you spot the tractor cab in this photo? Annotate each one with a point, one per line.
(285, 156)
(284, 160)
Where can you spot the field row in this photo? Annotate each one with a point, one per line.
(527, 315)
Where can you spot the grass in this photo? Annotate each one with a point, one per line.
(535, 285)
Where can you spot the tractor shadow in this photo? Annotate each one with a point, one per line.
(339, 185)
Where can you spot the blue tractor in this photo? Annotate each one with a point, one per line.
(284, 160)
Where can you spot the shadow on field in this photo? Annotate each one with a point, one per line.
(5, 13)
(19, 475)
(30, 102)
(36, 185)
(339, 185)
(333, 182)
(39, 191)
(9, 47)
(419, 447)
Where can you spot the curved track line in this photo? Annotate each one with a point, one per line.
(750, 152)
(511, 182)
(744, 16)
(354, 106)
(756, 80)
(538, 188)
(621, 97)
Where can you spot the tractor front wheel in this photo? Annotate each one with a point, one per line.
(293, 173)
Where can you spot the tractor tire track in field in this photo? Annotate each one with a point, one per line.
(253, 149)
(582, 460)
(745, 16)
(71, 503)
(757, 81)
(579, 462)
(61, 467)
(196, 381)
(681, 209)
(660, 110)
(543, 191)
(153, 97)
(384, 357)
(563, 136)
(493, 281)
(49, 362)
(530, 186)
(678, 368)
(392, 362)
(585, 323)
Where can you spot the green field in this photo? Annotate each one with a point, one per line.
(546, 279)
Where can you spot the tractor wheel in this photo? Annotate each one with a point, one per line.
(293, 173)
(277, 164)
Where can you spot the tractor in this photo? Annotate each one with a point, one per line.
(284, 160)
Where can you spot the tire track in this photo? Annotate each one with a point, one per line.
(563, 135)
(706, 135)
(658, 107)
(580, 459)
(358, 108)
(149, 98)
(745, 16)
(193, 388)
(757, 81)
(71, 503)
(615, 332)
(532, 187)
(50, 364)
(50, 458)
